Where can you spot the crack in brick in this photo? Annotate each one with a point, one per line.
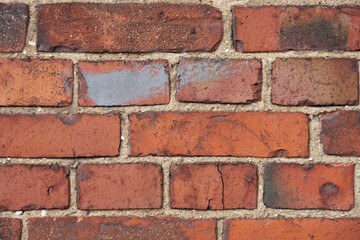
(223, 188)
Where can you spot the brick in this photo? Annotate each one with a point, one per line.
(35, 82)
(213, 187)
(309, 186)
(297, 81)
(10, 228)
(267, 29)
(120, 83)
(14, 21)
(58, 136)
(257, 134)
(29, 187)
(128, 27)
(99, 228)
(219, 80)
(340, 133)
(283, 229)
(119, 186)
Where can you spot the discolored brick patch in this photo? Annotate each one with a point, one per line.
(128, 27)
(99, 228)
(266, 29)
(219, 80)
(310, 186)
(315, 81)
(14, 22)
(121, 83)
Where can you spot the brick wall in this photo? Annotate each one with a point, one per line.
(196, 120)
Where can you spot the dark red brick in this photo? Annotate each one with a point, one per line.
(298, 81)
(10, 228)
(340, 133)
(58, 136)
(266, 29)
(35, 82)
(284, 229)
(28, 187)
(213, 187)
(120, 186)
(257, 134)
(14, 21)
(121, 83)
(310, 186)
(128, 27)
(100, 228)
(219, 80)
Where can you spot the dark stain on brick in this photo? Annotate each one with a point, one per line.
(270, 187)
(69, 119)
(329, 190)
(316, 34)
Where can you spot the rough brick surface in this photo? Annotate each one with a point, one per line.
(213, 187)
(120, 186)
(14, 21)
(219, 80)
(340, 133)
(265, 29)
(310, 186)
(257, 134)
(119, 83)
(283, 229)
(27, 187)
(59, 135)
(128, 28)
(101, 228)
(35, 82)
(10, 228)
(298, 81)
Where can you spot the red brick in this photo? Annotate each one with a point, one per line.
(120, 186)
(128, 27)
(35, 82)
(219, 80)
(309, 186)
(99, 228)
(257, 134)
(266, 29)
(119, 83)
(28, 187)
(283, 229)
(10, 228)
(340, 133)
(212, 187)
(59, 135)
(298, 81)
(14, 21)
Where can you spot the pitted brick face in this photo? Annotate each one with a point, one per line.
(123, 83)
(14, 21)
(219, 80)
(267, 29)
(127, 27)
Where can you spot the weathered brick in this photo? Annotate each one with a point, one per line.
(340, 133)
(10, 228)
(99, 228)
(35, 82)
(128, 27)
(257, 134)
(309, 186)
(283, 229)
(28, 187)
(265, 29)
(59, 135)
(219, 80)
(298, 81)
(14, 21)
(119, 83)
(212, 187)
(120, 186)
